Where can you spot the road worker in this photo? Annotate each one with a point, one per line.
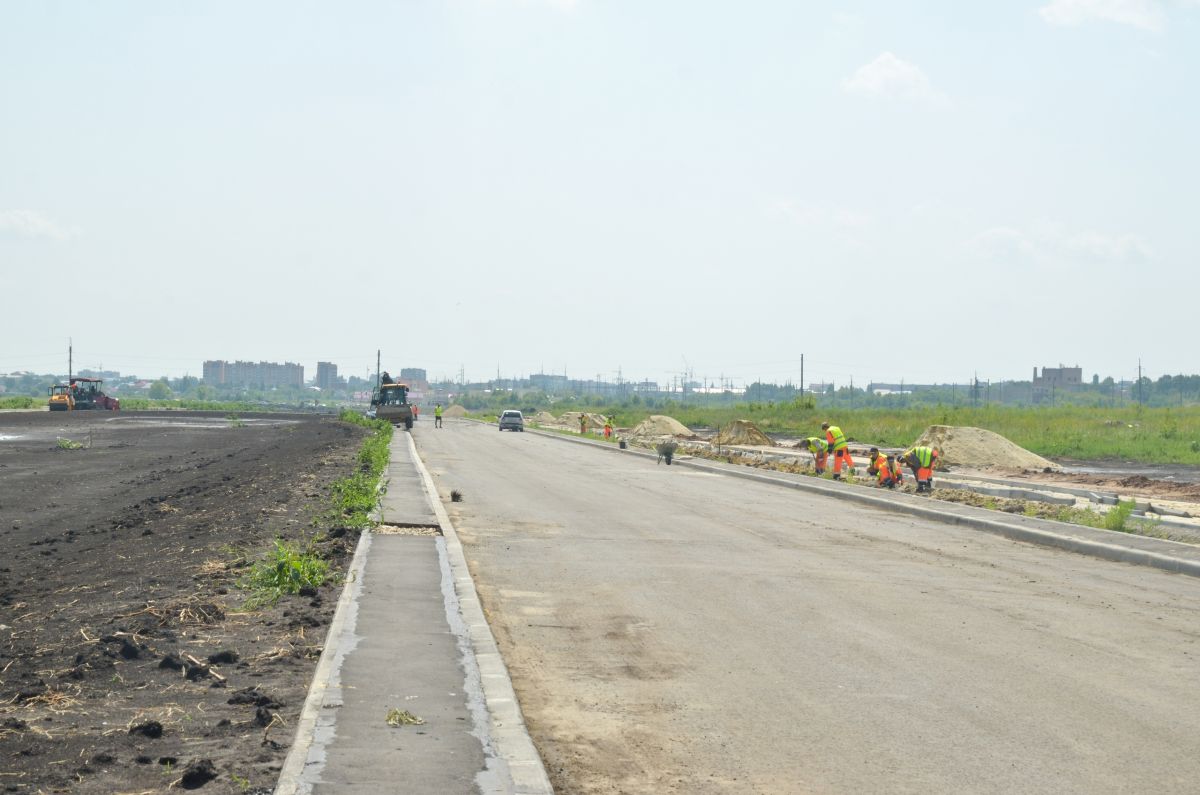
(841, 452)
(608, 427)
(437, 416)
(921, 460)
(820, 450)
(884, 467)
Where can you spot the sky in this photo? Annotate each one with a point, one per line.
(926, 191)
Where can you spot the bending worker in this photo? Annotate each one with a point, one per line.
(837, 446)
(921, 460)
(820, 450)
(885, 467)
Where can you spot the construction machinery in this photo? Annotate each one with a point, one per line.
(390, 402)
(88, 393)
(61, 398)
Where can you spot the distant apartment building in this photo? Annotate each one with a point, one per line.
(260, 375)
(327, 377)
(410, 374)
(1053, 378)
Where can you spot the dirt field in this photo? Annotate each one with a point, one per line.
(124, 666)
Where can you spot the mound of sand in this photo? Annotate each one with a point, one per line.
(544, 418)
(976, 447)
(595, 422)
(661, 425)
(455, 411)
(742, 432)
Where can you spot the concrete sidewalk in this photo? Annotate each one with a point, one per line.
(399, 641)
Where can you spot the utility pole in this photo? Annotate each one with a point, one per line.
(377, 360)
(1140, 396)
(70, 357)
(802, 375)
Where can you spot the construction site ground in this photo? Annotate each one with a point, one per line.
(125, 666)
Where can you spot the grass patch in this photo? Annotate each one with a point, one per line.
(69, 444)
(354, 498)
(21, 403)
(285, 570)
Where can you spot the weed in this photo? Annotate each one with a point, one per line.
(354, 498)
(456, 495)
(235, 421)
(285, 570)
(69, 444)
(1118, 515)
(242, 782)
(402, 717)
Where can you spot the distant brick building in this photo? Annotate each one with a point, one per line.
(262, 375)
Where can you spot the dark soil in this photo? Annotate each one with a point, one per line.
(125, 663)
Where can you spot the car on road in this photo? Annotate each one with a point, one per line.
(513, 420)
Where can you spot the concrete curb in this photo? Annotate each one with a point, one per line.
(1104, 546)
(325, 679)
(509, 737)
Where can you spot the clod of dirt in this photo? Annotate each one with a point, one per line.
(172, 661)
(151, 728)
(195, 672)
(252, 695)
(264, 716)
(198, 773)
(142, 759)
(32, 692)
(225, 657)
(14, 724)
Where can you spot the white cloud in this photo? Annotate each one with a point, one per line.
(1143, 14)
(888, 75)
(1049, 244)
(27, 223)
(820, 216)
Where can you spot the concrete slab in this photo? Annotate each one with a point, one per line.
(403, 657)
(404, 502)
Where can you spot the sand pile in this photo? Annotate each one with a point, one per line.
(595, 422)
(742, 432)
(544, 418)
(455, 411)
(661, 425)
(976, 447)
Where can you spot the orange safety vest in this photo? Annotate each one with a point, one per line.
(835, 437)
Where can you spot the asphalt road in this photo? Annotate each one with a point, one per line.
(669, 630)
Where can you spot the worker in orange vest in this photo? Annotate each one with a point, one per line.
(885, 467)
(839, 449)
(820, 450)
(921, 460)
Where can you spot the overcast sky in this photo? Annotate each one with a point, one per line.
(919, 190)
